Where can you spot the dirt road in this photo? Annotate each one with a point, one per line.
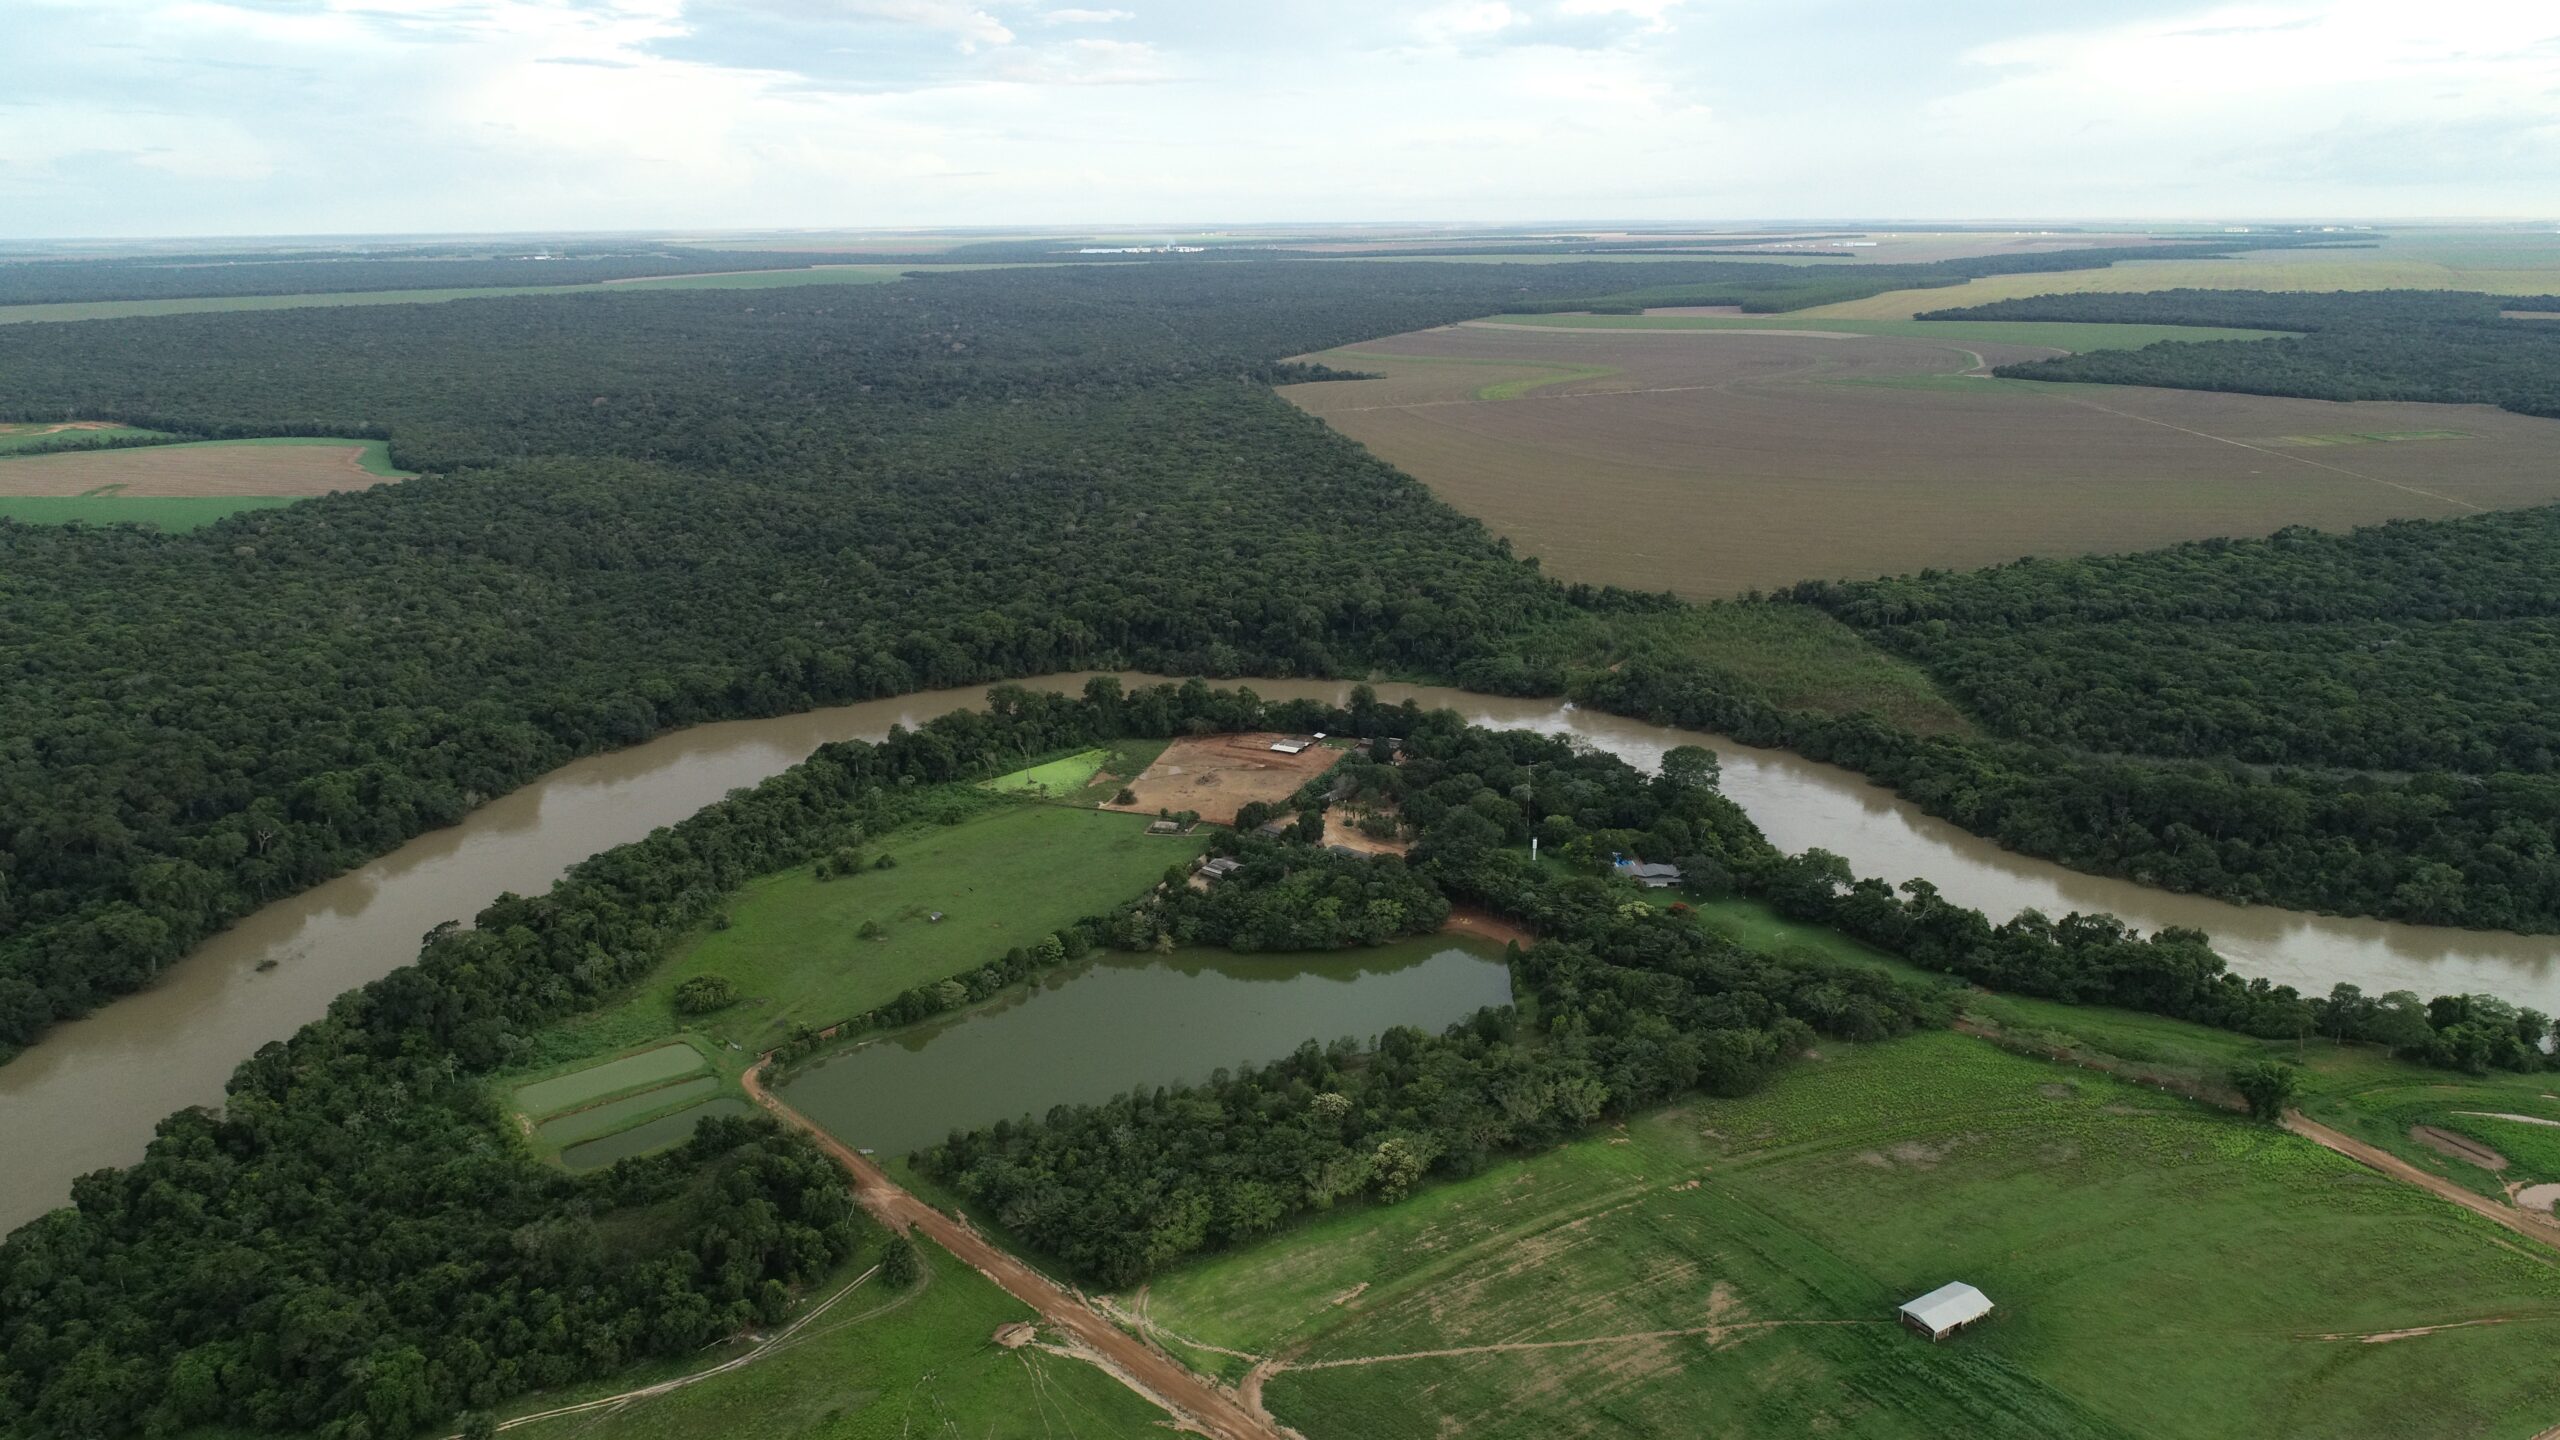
(1194, 1403)
(2408, 1174)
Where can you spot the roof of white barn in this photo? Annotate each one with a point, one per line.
(1952, 1304)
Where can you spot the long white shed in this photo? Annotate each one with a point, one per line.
(1946, 1310)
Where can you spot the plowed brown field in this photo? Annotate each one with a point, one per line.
(193, 470)
(1718, 461)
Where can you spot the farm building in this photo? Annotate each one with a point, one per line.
(1651, 877)
(1219, 869)
(1292, 746)
(1272, 829)
(1946, 1310)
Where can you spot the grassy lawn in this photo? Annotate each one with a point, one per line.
(878, 1366)
(1002, 877)
(2161, 1269)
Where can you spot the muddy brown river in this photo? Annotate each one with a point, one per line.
(88, 1094)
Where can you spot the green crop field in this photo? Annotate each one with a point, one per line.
(172, 513)
(750, 280)
(2496, 262)
(589, 1084)
(1002, 877)
(880, 1365)
(2045, 334)
(1732, 1267)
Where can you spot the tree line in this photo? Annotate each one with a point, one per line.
(2448, 347)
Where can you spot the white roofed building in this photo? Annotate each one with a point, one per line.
(1946, 1310)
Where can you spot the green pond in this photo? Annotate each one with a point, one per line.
(1087, 1032)
(650, 1135)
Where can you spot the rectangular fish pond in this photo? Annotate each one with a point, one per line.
(1087, 1032)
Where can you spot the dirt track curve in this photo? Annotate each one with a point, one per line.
(1193, 1402)
(2401, 1170)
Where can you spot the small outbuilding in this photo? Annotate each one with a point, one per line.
(1292, 747)
(1944, 1311)
(1655, 876)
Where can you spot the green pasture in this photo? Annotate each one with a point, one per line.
(172, 513)
(1055, 778)
(2052, 335)
(1541, 373)
(1003, 876)
(1732, 1267)
(879, 1365)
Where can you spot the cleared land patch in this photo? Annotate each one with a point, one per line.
(1715, 461)
(1216, 775)
(1731, 1267)
(28, 435)
(179, 487)
(2494, 262)
(801, 950)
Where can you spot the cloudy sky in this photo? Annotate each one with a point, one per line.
(204, 117)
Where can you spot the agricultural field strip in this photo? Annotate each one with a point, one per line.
(596, 1083)
(2078, 399)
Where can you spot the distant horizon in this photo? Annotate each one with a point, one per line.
(1906, 224)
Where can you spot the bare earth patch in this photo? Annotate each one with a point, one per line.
(193, 470)
(1218, 775)
(2460, 1147)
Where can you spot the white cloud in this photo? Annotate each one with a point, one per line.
(1464, 20)
(212, 116)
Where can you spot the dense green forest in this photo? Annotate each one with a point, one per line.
(170, 277)
(2433, 345)
(2401, 647)
(846, 494)
(645, 511)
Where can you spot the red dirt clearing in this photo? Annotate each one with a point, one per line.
(1217, 775)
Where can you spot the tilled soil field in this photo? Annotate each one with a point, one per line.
(176, 470)
(1715, 462)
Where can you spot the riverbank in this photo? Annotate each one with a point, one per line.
(91, 1092)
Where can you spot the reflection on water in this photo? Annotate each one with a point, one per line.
(1091, 1031)
(90, 1092)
